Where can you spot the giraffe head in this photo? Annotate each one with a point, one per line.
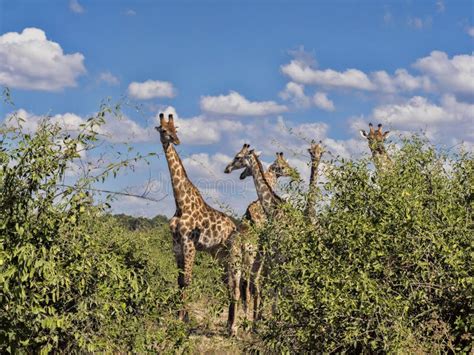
(239, 161)
(167, 130)
(316, 150)
(375, 138)
(280, 167)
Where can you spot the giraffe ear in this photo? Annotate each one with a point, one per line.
(386, 134)
(257, 153)
(363, 133)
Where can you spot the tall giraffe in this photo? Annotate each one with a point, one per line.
(316, 151)
(376, 139)
(248, 159)
(255, 216)
(197, 226)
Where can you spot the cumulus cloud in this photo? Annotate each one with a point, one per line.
(201, 130)
(355, 79)
(205, 166)
(115, 130)
(417, 110)
(74, 6)
(28, 60)
(401, 81)
(439, 73)
(295, 93)
(470, 31)
(109, 78)
(235, 104)
(451, 75)
(322, 101)
(420, 111)
(301, 72)
(448, 121)
(151, 89)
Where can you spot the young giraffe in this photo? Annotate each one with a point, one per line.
(197, 226)
(269, 201)
(255, 215)
(315, 151)
(376, 140)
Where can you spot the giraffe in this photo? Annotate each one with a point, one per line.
(315, 151)
(197, 226)
(376, 139)
(270, 203)
(255, 216)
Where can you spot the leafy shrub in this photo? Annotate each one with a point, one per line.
(67, 282)
(390, 267)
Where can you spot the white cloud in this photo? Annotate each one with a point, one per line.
(302, 73)
(28, 60)
(123, 129)
(109, 78)
(74, 6)
(470, 31)
(151, 89)
(235, 104)
(448, 122)
(205, 166)
(115, 130)
(355, 79)
(401, 81)
(295, 93)
(418, 110)
(142, 208)
(201, 130)
(451, 75)
(439, 73)
(322, 101)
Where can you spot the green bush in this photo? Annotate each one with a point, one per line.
(68, 282)
(390, 266)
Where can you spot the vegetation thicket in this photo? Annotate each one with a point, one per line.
(388, 267)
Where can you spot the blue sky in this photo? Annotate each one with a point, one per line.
(242, 71)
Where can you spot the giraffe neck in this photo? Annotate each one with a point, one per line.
(182, 186)
(313, 189)
(271, 178)
(381, 159)
(267, 197)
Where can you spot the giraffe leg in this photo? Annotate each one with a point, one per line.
(234, 274)
(247, 261)
(179, 257)
(185, 276)
(256, 291)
